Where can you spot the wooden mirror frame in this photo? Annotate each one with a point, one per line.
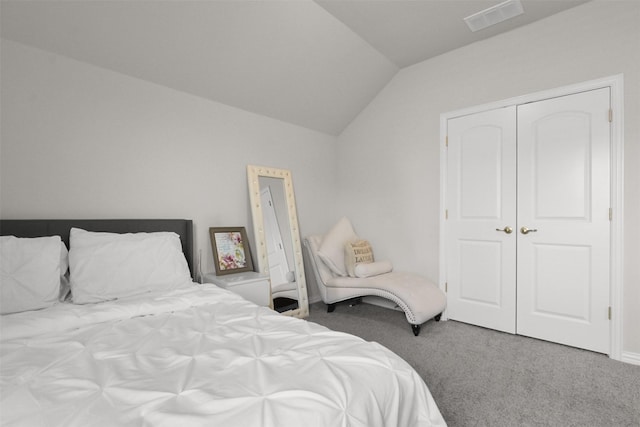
(253, 176)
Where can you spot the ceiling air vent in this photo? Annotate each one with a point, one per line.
(493, 15)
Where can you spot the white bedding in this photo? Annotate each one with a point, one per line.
(198, 356)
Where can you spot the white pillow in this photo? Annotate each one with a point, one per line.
(106, 266)
(372, 268)
(64, 258)
(65, 287)
(30, 272)
(331, 250)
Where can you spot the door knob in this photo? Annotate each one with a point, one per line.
(525, 230)
(507, 229)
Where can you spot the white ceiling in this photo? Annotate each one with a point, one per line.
(315, 64)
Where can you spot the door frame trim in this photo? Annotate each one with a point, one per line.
(615, 83)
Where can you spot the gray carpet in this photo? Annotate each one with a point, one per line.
(481, 377)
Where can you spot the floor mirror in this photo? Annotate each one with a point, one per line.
(277, 236)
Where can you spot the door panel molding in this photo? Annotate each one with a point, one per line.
(615, 83)
(546, 286)
(469, 280)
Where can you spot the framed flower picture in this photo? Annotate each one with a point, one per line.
(231, 252)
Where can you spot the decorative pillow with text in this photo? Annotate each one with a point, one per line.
(357, 252)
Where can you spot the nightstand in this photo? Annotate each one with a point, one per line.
(253, 286)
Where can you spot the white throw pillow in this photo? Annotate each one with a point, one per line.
(372, 268)
(106, 266)
(30, 272)
(331, 250)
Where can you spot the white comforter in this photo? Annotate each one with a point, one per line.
(198, 356)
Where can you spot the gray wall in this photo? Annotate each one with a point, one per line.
(78, 141)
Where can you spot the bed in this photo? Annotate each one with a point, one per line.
(189, 355)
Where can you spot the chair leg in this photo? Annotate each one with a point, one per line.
(416, 329)
(437, 317)
(331, 308)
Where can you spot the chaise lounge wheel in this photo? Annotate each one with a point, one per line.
(437, 317)
(416, 329)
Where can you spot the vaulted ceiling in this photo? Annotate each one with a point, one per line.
(315, 64)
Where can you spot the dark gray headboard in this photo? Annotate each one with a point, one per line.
(61, 227)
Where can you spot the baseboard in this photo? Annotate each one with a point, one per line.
(315, 299)
(381, 302)
(628, 357)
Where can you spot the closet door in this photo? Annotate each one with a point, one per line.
(481, 205)
(564, 200)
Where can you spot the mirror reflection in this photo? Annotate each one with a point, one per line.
(277, 238)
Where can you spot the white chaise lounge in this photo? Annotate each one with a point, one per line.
(419, 298)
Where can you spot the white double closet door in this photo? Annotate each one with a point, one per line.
(528, 228)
